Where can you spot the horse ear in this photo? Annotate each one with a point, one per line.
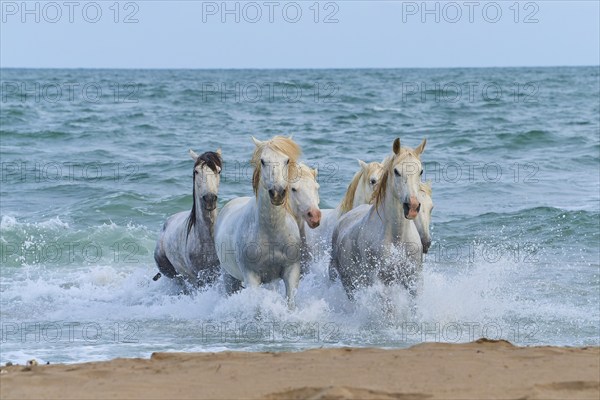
(218, 152)
(291, 137)
(194, 155)
(421, 147)
(363, 164)
(315, 172)
(396, 146)
(256, 141)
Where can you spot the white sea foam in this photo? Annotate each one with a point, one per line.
(487, 299)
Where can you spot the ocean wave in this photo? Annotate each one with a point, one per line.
(83, 249)
(11, 223)
(56, 244)
(495, 297)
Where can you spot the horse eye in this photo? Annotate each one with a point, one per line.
(262, 162)
(396, 172)
(373, 181)
(421, 174)
(294, 190)
(287, 162)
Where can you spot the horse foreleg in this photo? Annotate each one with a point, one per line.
(251, 279)
(291, 279)
(232, 285)
(349, 286)
(412, 278)
(415, 285)
(333, 273)
(163, 263)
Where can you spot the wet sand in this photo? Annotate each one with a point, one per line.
(479, 370)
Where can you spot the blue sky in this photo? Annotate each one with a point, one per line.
(387, 34)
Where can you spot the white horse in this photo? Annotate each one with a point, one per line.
(185, 247)
(257, 238)
(361, 187)
(304, 203)
(423, 220)
(380, 241)
(359, 191)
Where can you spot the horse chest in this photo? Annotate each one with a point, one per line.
(203, 255)
(270, 256)
(201, 248)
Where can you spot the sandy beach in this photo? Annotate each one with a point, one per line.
(479, 370)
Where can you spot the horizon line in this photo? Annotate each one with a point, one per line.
(301, 68)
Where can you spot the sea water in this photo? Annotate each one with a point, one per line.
(93, 162)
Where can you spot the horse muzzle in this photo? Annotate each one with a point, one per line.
(209, 201)
(277, 196)
(313, 218)
(412, 208)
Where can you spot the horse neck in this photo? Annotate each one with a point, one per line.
(270, 217)
(305, 256)
(204, 219)
(419, 223)
(301, 226)
(302, 230)
(360, 195)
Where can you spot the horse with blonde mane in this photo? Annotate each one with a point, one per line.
(304, 203)
(257, 238)
(359, 191)
(185, 248)
(380, 242)
(361, 187)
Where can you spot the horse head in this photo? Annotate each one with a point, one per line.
(305, 195)
(207, 176)
(401, 177)
(272, 161)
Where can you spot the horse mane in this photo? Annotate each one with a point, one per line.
(348, 199)
(388, 169)
(305, 169)
(425, 187)
(282, 145)
(213, 161)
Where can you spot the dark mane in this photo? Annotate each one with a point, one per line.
(213, 161)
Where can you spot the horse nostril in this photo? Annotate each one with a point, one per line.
(419, 208)
(209, 198)
(271, 192)
(283, 192)
(310, 214)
